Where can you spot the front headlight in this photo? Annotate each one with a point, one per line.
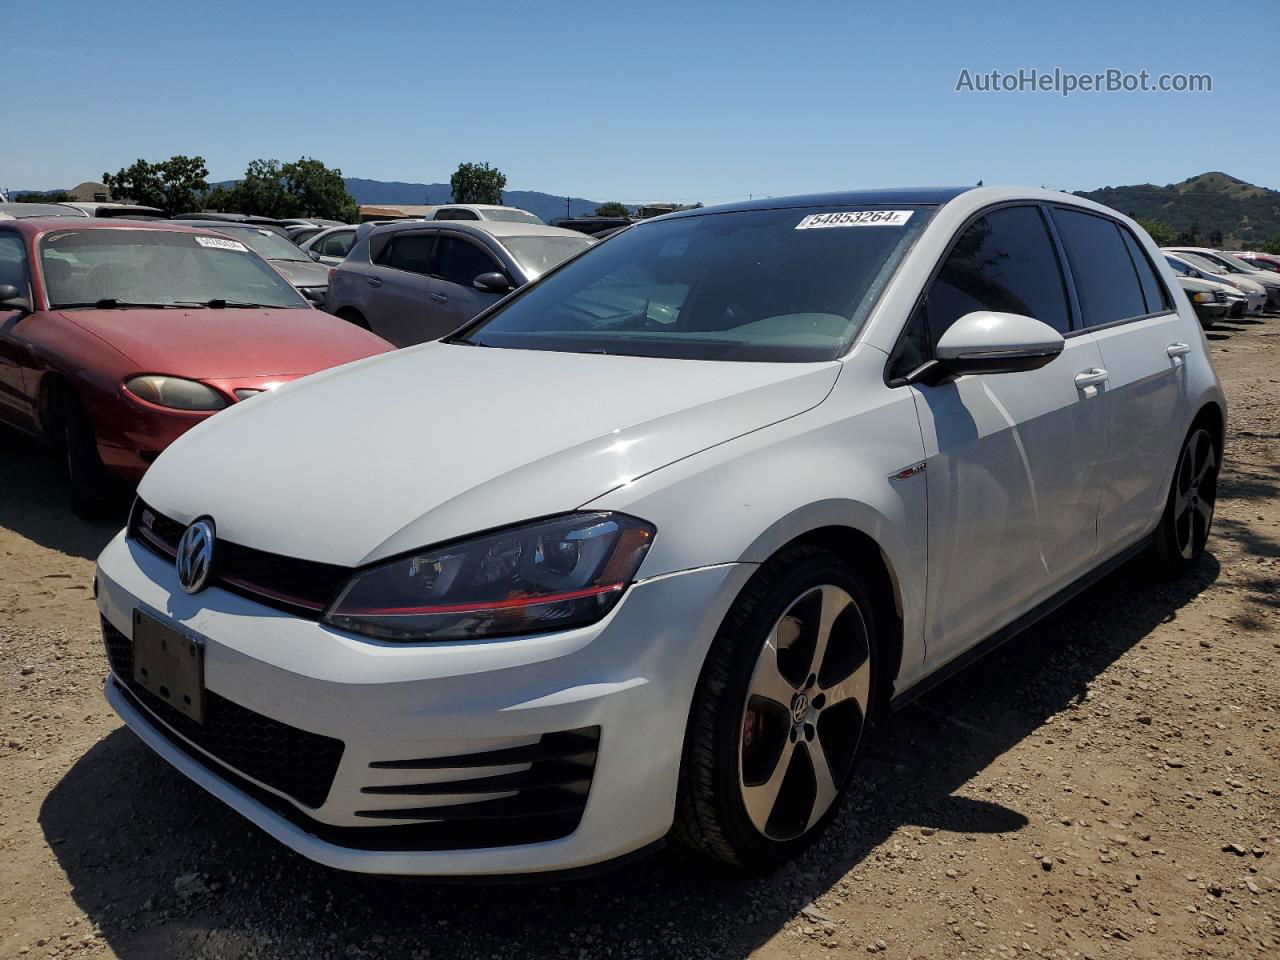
(548, 575)
(1202, 296)
(176, 392)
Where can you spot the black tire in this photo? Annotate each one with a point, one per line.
(354, 317)
(1184, 526)
(712, 815)
(91, 486)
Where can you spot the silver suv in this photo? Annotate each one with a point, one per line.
(418, 280)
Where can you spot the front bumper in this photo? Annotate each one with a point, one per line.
(626, 681)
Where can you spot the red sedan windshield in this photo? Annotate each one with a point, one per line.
(122, 268)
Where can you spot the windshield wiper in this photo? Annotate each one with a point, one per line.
(112, 303)
(219, 304)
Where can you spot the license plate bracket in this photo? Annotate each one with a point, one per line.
(169, 664)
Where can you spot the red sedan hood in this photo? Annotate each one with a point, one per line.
(218, 344)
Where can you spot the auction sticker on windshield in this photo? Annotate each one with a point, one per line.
(219, 244)
(855, 218)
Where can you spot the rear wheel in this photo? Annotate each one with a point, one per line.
(1188, 514)
(779, 713)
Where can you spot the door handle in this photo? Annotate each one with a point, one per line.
(438, 297)
(1096, 376)
(373, 281)
(1179, 349)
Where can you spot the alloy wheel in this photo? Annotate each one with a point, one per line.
(805, 710)
(1194, 493)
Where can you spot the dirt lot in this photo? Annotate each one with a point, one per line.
(1106, 786)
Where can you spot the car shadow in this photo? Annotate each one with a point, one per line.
(37, 504)
(162, 869)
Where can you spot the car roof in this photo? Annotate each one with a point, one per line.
(24, 211)
(480, 206)
(849, 198)
(494, 228)
(35, 226)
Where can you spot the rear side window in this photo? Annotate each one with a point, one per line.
(409, 251)
(460, 261)
(1106, 280)
(13, 262)
(1004, 261)
(1153, 291)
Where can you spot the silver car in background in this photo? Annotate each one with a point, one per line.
(329, 245)
(417, 280)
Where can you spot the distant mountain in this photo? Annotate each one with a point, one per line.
(546, 205)
(1247, 215)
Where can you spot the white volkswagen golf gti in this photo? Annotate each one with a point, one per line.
(640, 551)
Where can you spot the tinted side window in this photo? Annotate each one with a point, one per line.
(13, 262)
(446, 215)
(1177, 266)
(460, 261)
(409, 251)
(337, 244)
(1153, 291)
(1005, 261)
(1106, 281)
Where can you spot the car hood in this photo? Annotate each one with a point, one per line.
(303, 273)
(223, 344)
(443, 440)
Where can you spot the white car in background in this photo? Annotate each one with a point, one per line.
(1239, 301)
(639, 551)
(485, 211)
(1255, 294)
(1235, 268)
(330, 245)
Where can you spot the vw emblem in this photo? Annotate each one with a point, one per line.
(799, 707)
(195, 556)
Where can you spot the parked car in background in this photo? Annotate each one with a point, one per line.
(311, 278)
(330, 245)
(484, 211)
(642, 552)
(117, 337)
(593, 226)
(106, 211)
(416, 280)
(1191, 265)
(207, 215)
(1208, 300)
(1235, 267)
(23, 211)
(1259, 261)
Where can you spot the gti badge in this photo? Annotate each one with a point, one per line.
(195, 555)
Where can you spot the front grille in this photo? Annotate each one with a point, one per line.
(296, 762)
(1219, 296)
(301, 587)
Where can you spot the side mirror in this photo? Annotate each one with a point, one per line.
(492, 283)
(314, 295)
(314, 254)
(11, 298)
(989, 342)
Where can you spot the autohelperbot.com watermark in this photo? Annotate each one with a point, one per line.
(1065, 83)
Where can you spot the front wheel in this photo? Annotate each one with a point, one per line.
(91, 487)
(1188, 514)
(780, 712)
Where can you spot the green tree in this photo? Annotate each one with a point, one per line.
(1215, 239)
(1191, 237)
(175, 185)
(1163, 234)
(317, 191)
(305, 188)
(1272, 245)
(477, 183)
(51, 196)
(612, 209)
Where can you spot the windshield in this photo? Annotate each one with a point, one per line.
(513, 216)
(1203, 263)
(537, 255)
(121, 268)
(267, 243)
(1238, 263)
(763, 285)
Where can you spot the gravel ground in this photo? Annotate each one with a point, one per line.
(1108, 785)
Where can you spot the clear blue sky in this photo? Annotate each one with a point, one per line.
(646, 100)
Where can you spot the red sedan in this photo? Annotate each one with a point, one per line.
(117, 338)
